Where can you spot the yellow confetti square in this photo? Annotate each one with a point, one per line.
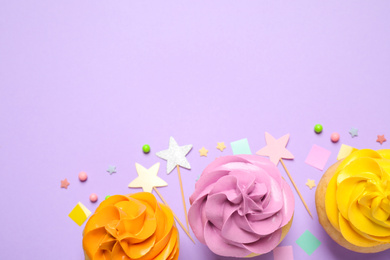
(79, 214)
(344, 151)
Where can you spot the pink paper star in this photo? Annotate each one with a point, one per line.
(276, 149)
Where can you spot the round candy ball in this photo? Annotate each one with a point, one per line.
(335, 137)
(107, 197)
(146, 148)
(93, 197)
(318, 128)
(83, 176)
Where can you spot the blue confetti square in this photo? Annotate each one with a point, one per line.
(241, 147)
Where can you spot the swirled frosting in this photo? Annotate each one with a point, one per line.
(357, 199)
(132, 226)
(240, 205)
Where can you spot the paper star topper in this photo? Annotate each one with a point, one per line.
(221, 146)
(111, 169)
(353, 132)
(276, 149)
(310, 183)
(175, 155)
(147, 178)
(65, 183)
(203, 152)
(381, 139)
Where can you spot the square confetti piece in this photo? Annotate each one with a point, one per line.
(79, 214)
(344, 151)
(283, 253)
(308, 242)
(318, 157)
(241, 147)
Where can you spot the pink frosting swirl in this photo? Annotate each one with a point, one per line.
(240, 205)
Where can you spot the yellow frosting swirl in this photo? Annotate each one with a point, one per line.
(132, 226)
(357, 199)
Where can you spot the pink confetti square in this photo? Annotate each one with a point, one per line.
(318, 157)
(283, 253)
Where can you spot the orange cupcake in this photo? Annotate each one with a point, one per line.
(134, 226)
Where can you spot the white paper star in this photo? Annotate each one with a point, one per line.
(147, 178)
(175, 155)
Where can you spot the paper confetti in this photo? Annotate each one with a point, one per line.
(241, 147)
(175, 155)
(203, 152)
(353, 132)
(344, 151)
(221, 146)
(308, 242)
(65, 183)
(276, 149)
(318, 157)
(79, 214)
(283, 253)
(147, 178)
(381, 139)
(310, 183)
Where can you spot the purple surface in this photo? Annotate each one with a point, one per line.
(84, 84)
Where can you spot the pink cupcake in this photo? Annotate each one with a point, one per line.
(241, 206)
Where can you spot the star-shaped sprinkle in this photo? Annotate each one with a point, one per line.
(147, 178)
(381, 139)
(353, 132)
(221, 146)
(111, 169)
(175, 155)
(276, 149)
(310, 183)
(65, 183)
(203, 152)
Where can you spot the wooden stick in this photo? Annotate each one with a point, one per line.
(182, 196)
(296, 188)
(177, 219)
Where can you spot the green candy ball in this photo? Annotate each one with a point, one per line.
(318, 128)
(146, 148)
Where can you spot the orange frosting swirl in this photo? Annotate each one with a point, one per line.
(134, 226)
(357, 199)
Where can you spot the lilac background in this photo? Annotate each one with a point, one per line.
(84, 84)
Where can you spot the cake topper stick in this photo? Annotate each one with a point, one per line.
(148, 180)
(276, 150)
(177, 219)
(182, 195)
(296, 188)
(175, 156)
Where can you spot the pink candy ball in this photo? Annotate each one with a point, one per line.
(335, 137)
(93, 197)
(83, 176)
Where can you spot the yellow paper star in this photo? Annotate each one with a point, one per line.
(310, 183)
(221, 146)
(147, 178)
(203, 152)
